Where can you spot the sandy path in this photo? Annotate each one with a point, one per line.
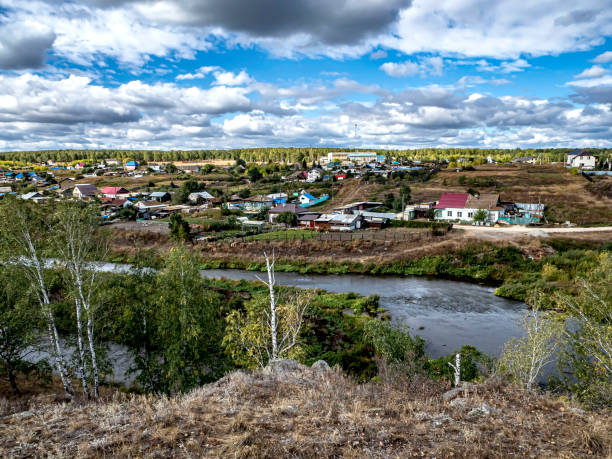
(511, 232)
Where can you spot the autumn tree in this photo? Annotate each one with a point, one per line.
(269, 328)
(19, 337)
(79, 241)
(24, 241)
(523, 359)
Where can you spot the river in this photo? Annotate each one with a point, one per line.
(447, 314)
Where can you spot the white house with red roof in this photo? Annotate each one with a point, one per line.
(463, 207)
(114, 192)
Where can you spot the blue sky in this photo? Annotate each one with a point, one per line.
(170, 74)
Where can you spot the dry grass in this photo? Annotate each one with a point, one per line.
(306, 413)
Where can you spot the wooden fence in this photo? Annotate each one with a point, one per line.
(371, 236)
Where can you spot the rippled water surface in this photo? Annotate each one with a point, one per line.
(451, 313)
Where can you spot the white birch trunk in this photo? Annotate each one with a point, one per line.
(457, 368)
(273, 327)
(92, 351)
(38, 281)
(80, 348)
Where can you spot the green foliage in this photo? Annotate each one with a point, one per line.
(419, 224)
(288, 218)
(179, 228)
(394, 343)
(473, 365)
(188, 187)
(586, 353)
(128, 213)
(262, 215)
(481, 215)
(523, 359)
(19, 322)
(254, 174)
(181, 328)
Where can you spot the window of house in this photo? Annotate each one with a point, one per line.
(449, 213)
(470, 214)
(459, 214)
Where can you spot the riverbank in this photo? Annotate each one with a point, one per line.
(514, 267)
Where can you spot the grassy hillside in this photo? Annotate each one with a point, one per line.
(301, 412)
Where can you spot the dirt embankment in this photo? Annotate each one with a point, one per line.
(296, 411)
(530, 241)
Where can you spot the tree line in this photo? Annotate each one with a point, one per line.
(291, 155)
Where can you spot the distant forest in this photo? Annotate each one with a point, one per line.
(289, 155)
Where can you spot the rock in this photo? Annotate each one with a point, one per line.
(281, 366)
(459, 402)
(420, 416)
(23, 415)
(288, 410)
(577, 411)
(451, 394)
(320, 365)
(441, 419)
(483, 410)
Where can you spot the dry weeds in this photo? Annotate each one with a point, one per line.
(308, 413)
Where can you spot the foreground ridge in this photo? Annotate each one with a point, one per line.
(290, 410)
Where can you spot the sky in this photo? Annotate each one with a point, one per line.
(217, 74)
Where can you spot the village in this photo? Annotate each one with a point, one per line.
(298, 197)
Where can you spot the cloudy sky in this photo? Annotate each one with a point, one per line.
(173, 74)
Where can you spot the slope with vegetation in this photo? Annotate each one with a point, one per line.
(294, 411)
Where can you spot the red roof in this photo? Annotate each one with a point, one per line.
(452, 201)
(113, 190)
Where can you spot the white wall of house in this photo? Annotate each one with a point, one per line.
(581, 161)
(465, 214)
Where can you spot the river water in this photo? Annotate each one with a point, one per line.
(447, 314)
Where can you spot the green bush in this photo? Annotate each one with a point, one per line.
(473, 364)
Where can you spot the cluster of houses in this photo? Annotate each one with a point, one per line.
(350, 217)
(341, 165)
(485, 208)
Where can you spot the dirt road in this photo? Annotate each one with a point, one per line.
(513, 232)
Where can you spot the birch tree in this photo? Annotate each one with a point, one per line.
(79, 242)
(523, 359)
(270, 327)
(24, 231)
(19, 334)
(587, 349)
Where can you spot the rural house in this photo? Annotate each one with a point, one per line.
(338, 222)
(306, 199)
(314, 174)
(84, 191)
(276, 211)
(376, 219)
(131, 165)
(160, 196)
(463, 207)
(201, 197)
(114, 192)
(256, 203)
(581, 159)
(307, 220)
(354, 206)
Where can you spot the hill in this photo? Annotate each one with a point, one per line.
(289, 410)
